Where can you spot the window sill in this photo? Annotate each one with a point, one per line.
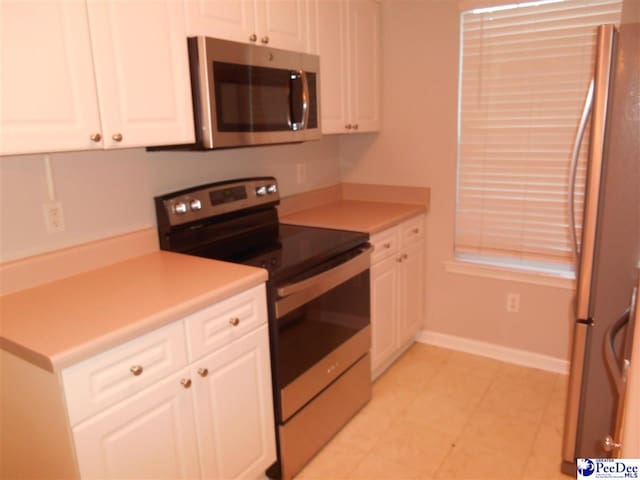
(478, 269)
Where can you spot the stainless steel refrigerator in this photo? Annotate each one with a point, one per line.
(610, 247)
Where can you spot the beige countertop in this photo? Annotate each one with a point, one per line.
(362, 216)
(60, 323)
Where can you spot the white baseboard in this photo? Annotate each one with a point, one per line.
(497, 352)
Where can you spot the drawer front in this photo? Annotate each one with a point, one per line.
(385, 244)
(216, 326)
(412, 230)
(103, 380)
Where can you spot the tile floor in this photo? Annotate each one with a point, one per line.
(440, 414)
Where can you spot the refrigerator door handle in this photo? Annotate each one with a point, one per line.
(602, 81)
(573, 168)
(617, 374)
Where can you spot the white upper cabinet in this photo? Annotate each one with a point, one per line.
(118, 79)
(48, 96)
(348, 39)
(276, 23)
(142, 72)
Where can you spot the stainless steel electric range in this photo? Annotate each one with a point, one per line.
(318, 301)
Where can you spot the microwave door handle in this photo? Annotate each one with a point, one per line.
(301, 76)
(305, 99)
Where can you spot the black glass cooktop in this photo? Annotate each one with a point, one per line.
(288, 251)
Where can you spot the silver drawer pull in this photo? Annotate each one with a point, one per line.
(136, 370)
(203, 372)
(235, 321)
(185, 382)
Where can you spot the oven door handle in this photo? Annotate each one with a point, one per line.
(293, 295)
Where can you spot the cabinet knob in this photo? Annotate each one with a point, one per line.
(387, 245)
(355, 126)
(399, 259)
(348, 126)
(265, 39)
(253, 37)
(136, 370)
(235, 321)
(185, 382)
(416, 230)
(117, 137)
(405, 256)
(203, 372)
(95, 137)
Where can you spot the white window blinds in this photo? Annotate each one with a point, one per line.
(524, 78)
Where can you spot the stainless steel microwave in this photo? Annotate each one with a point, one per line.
(248, 95)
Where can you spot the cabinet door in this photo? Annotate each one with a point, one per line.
(226, 19)
(234, 409)
(283, 24)
(331, 25)
(142, 72)
(384, 311)
(48, 100)
(364, 38)
(150, 435)
(411, 292)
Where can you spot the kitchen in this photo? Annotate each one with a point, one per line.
(108, 193)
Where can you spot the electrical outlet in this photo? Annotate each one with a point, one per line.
(513, 302)
(53, 217)
(301, 172)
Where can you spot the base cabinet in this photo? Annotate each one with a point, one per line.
(397, 290)
(151, 435)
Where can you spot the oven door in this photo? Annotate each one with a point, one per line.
(323, 328)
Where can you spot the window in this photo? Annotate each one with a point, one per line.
(524, 74)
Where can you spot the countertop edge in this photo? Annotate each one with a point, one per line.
(57, 362)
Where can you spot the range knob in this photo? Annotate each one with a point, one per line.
(180, 208)
(261, 191)
(273, 188)
(195, 204)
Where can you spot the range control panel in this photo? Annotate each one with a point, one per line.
(217, 199)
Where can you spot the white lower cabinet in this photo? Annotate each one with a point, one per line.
(234, 409)
(397, 290)
(210, 416)
(151, 435)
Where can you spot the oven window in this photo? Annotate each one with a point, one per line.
(252, 99)
(314, 330)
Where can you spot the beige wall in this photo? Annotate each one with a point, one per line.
(418, 147)
(109, 193)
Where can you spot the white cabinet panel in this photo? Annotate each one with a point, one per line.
(48, 99)
(397, 290)
(348, 37)
(234, 409)
(364, 28)
(228, 19)
(276, 23)
(151, 435)
(142, 73)
(384, 310)
(218, 325)
(283, 23)
(411, 292)
(101, 381)
(331, 22)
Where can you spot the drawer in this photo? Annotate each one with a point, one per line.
(216, 326)
(385, 244)
(101, 381)
(412, 230)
